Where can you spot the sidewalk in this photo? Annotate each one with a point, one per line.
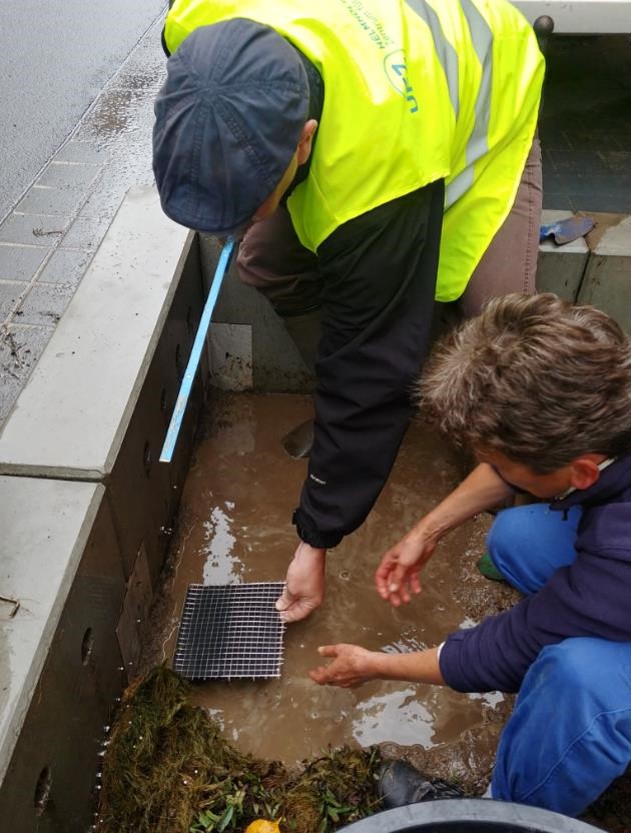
(49, 239)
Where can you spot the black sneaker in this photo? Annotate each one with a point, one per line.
(400, 784)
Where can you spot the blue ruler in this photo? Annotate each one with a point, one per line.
(166, 455)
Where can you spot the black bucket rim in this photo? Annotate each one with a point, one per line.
(519, 816)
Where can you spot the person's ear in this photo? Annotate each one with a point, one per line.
(305, 143)
(584, 471)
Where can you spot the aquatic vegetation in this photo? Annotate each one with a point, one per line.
(168, 769)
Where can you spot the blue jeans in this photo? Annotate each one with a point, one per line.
(569, 735)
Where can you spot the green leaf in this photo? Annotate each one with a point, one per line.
(225, 819)
(330, 798)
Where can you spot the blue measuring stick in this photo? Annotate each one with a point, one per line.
(166, 455)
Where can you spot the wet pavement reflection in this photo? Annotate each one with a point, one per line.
(235, 526)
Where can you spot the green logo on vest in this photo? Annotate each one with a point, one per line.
(396, 70)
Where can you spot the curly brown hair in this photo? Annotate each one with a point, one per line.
(536, 378)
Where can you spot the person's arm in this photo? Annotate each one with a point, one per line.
(379, 275)
(353, 666)
(398, 573)
(590, 597)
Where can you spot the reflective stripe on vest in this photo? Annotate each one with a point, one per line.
(447, 55)
(478, 144)
(415, 91)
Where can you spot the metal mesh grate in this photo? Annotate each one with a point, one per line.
(230, 631)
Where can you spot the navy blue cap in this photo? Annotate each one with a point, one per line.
(228, 121)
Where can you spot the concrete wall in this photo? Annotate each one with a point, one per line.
(249, 347)
(86, 510)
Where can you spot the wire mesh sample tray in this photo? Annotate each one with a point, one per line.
(230, 631)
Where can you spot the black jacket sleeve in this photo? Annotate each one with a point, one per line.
(379, 272)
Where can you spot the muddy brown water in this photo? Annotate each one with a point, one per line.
(234, 526)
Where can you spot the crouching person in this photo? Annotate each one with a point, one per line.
(540, 390)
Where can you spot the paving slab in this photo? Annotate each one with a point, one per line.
(20, 348)
(20, 263)
(10, 292)
(92, 372)
(86, 153)
(45, 527)
(68, 175)
(43, 199)
(65, 266)
(45, 303)
(34, 229)
(85, 233)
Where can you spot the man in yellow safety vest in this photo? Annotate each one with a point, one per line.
(374, 155)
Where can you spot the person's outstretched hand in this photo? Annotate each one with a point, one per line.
(304, 589)
(398, 574)
(351, 666)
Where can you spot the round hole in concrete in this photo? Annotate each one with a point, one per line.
(163, 400)
(42, 791)
(87, 644)
(146, 458)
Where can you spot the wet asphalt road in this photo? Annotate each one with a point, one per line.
(54, 60)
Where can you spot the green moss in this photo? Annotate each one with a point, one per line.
(169, 770)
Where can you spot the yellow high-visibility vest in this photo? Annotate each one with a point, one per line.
(414, 91)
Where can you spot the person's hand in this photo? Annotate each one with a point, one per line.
(351, 666)
(304, 588)
(398, 574)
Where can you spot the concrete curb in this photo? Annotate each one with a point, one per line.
(87, 510)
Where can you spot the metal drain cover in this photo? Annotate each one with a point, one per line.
(230, 631)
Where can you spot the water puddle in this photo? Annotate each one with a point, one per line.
(235, 526)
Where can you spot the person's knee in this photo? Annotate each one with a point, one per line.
(510, 526)
(572, 663)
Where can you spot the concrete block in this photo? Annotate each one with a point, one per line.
(98, 404)
(89, 379)
(45, 528)
(59, 654)
(560, 269)
(231, 356)
(276, 363)
(607, 281)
